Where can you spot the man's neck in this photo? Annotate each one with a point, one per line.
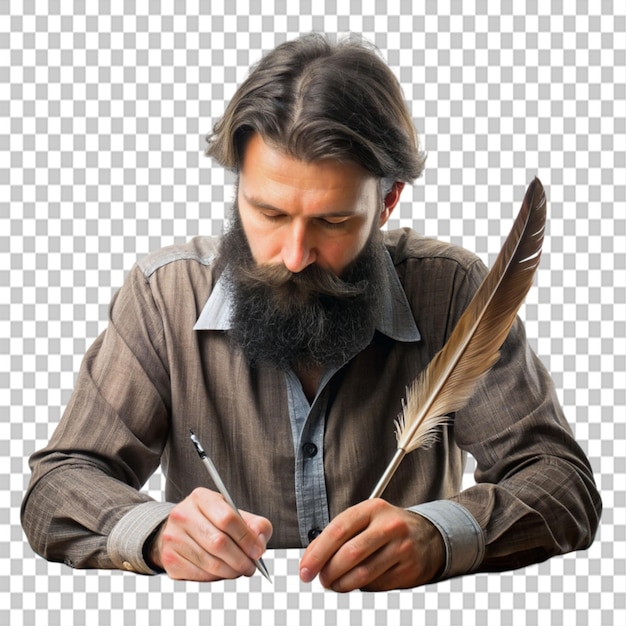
(309, 376)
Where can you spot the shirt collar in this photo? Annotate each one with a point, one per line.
(396, 318)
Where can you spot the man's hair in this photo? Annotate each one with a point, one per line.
(317, 100)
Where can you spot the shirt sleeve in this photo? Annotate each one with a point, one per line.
(109, 441)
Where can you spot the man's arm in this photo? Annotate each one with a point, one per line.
(84, 507)
(535, 495)
(108, 443)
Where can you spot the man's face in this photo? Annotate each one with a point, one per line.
(305, 259)
(297, 214)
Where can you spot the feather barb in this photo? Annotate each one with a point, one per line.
(450, 379)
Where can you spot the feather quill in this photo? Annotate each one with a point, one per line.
(450, 379)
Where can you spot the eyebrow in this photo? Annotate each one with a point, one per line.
(260, 204)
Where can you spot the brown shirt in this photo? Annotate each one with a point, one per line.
(166, 365)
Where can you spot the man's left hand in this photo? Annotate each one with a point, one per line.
(374, 546)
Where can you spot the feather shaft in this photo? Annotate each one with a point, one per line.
(388, 473)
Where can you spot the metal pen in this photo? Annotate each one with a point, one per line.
(219, 483)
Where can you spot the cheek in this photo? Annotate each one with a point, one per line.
(336, 255)
(263, 245)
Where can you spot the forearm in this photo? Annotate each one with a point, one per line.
(535, 495)
(109, 441)
(549, 507)
(78, 515)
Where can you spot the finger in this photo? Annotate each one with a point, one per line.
(243, 541)
(360, 560)
(193, 532)
(219, 552)
(340, 530)
(261, 527)
(183, 557)
(392, 578)
(411, 556)
(377, 564)
(366, 575)
(402, 575)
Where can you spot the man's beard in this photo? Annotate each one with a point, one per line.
(307, 319)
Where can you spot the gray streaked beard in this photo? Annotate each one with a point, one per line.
(307, 319)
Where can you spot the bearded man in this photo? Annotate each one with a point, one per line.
(287, 347)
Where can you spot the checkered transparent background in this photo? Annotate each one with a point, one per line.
(103, 111)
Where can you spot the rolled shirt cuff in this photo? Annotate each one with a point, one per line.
(462, 535)
(126, 541)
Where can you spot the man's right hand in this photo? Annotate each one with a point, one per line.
(203, 539)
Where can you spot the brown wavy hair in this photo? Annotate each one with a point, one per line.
(315, 100)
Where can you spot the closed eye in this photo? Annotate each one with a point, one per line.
(272, 217)
(327, 223)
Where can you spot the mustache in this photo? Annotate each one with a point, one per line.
(313, 281)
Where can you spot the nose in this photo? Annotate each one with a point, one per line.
(298, 249)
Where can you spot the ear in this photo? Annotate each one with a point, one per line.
(390, 201)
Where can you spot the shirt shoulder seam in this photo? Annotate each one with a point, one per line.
(200, 250)
(435, 250)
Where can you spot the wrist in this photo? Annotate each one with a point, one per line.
(435, 548)
(152, 551)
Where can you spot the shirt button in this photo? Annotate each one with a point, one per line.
(127, 566)
(310, 450)
(314, 532)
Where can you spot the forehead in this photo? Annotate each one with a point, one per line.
(269, 171)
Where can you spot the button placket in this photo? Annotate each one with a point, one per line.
(308, 422)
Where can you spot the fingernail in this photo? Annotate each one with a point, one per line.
(306, 575)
